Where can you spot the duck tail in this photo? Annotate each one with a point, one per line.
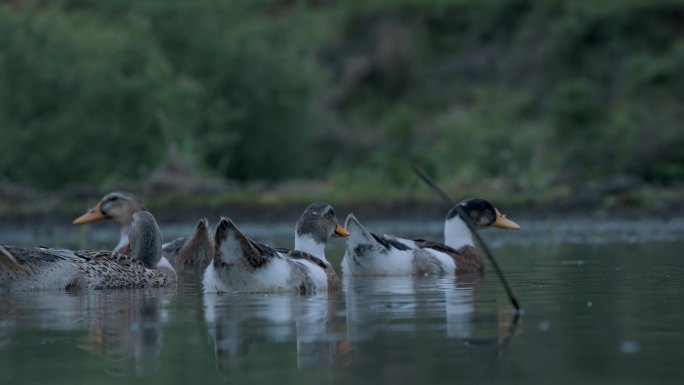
(359, 234)
(231, 245)
(198, 248)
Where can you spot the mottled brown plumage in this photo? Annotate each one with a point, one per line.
(195, 250)
(468, 259)
(191, 255)
(45, 268)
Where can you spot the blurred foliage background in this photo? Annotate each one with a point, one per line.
(533, 94)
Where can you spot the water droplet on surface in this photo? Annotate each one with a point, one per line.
(629, 347)
(544, 326)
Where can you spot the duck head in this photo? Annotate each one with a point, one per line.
(482, 213)
(315, 227)
(118, 206)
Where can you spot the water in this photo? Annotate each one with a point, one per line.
(602, 304)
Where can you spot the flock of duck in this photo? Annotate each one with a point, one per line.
(229, 261)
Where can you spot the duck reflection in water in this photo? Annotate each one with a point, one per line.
(381, 306)
(123, 327)
(243, 324)
(130, 338)
(328, 331)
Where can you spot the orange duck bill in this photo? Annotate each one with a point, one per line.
(341, 232)
(504, 223)
(92, 215)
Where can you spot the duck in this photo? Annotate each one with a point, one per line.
(50, 268)
(190, 255)
(242, 265)
(370, 254)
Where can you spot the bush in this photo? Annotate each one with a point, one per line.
(534, 93)
(79, 98)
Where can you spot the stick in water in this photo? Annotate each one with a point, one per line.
(430, 182)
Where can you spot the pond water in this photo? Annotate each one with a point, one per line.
(602, 304)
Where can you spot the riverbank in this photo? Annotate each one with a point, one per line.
(262, 202)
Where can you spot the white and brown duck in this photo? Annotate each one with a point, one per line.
(45, 268)
(189, 255)
(371, 254)
(243, 265)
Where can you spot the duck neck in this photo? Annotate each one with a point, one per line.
(456, 233)
(146, 242)
(148, 251)
(123, 238)
(307, 244)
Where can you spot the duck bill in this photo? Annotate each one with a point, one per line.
(92, 215)
(340, 231)
(504, 223)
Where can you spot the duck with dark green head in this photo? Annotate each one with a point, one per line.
(371, 254)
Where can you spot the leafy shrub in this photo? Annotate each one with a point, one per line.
(531, 92)
(79, 98)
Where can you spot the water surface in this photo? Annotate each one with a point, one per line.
(602, 304)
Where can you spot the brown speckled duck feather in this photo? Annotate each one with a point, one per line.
(189, 255)
(45, 268)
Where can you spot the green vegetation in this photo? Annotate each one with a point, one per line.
(528, 94)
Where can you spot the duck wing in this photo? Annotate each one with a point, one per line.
(392, 242)
(334, 283)
(39, 267)
(172, 248)
(423, 244)
(468, 259)
(363, 241)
